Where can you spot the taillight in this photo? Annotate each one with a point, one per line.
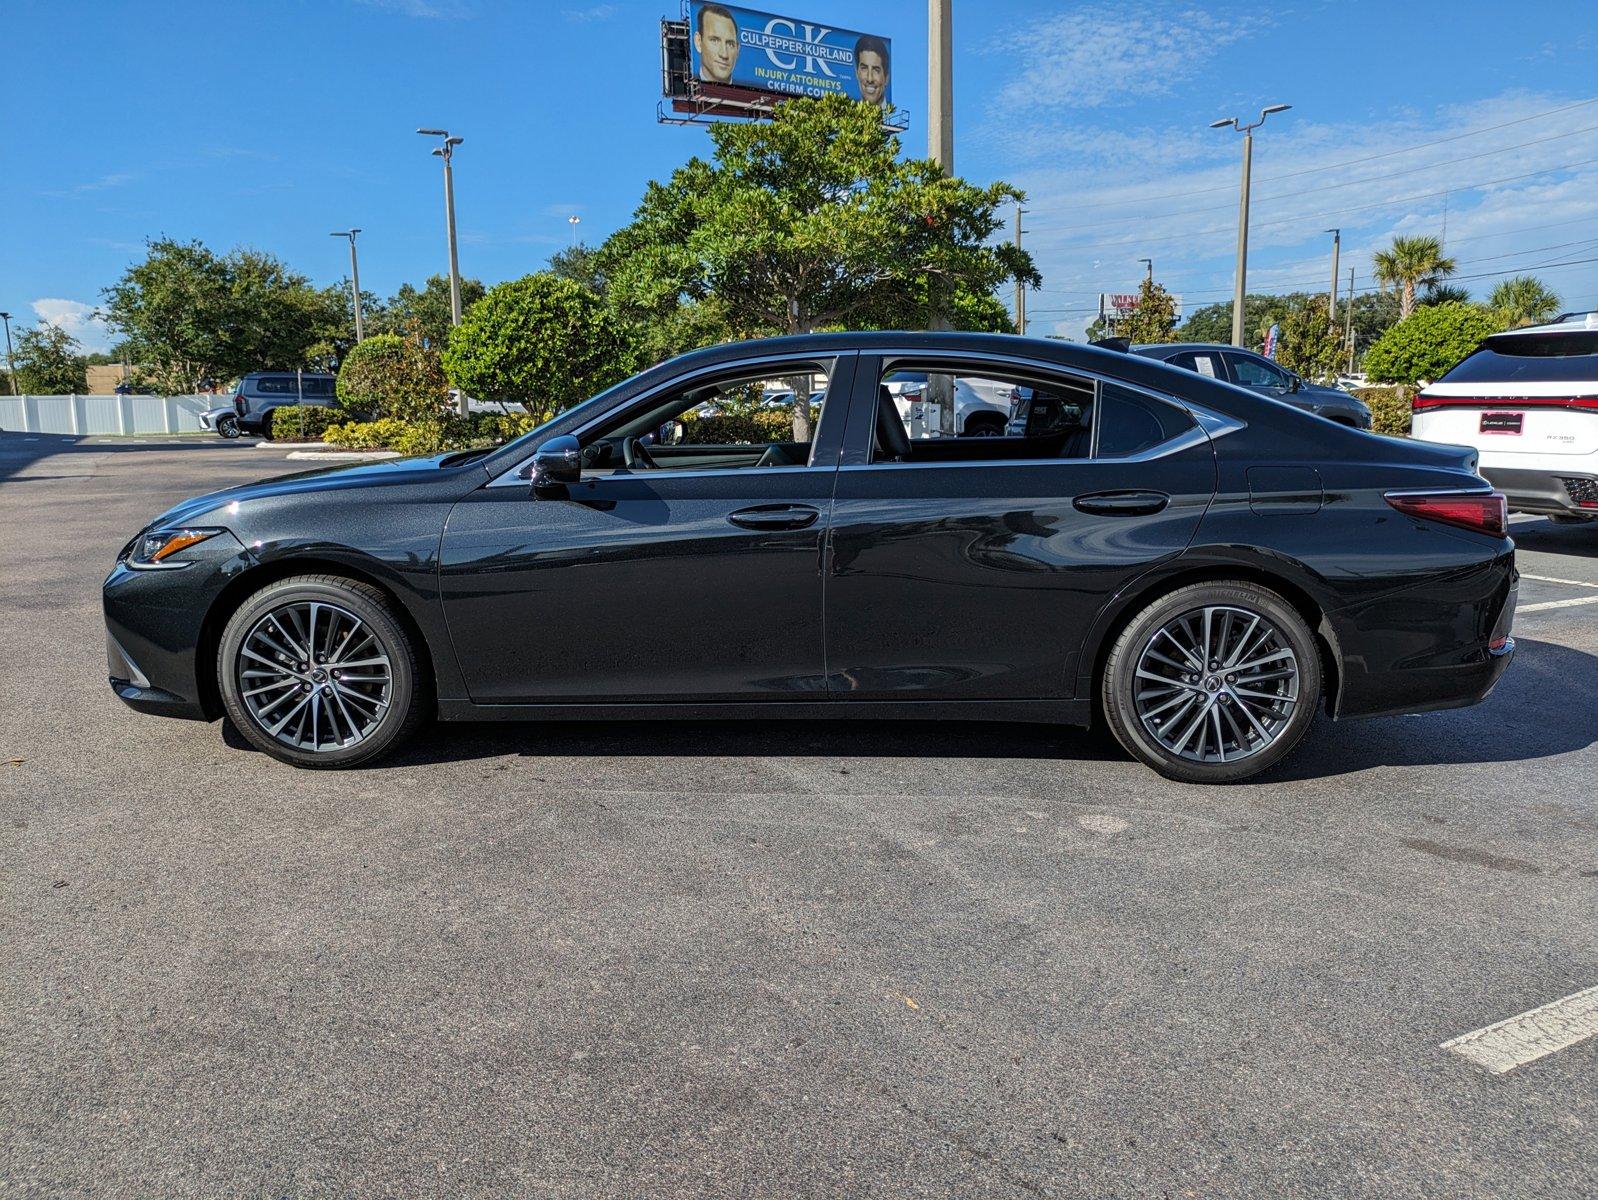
(1480, 512)
(1422, 401)
(239, 406)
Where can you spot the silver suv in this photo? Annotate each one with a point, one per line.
(261, 393)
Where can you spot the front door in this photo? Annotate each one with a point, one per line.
(972, 568)
(684, 567)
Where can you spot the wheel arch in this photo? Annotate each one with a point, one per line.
(1136, 596)
(244, 585)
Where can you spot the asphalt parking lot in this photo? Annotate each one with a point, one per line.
(773, 960)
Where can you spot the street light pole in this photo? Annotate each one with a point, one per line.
(1337, 242)
(1149, 263)
(447, 153)
(355, 280)
(1239, 289)
(11, 363)
(572, 221)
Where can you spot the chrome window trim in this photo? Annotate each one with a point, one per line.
(513, 477)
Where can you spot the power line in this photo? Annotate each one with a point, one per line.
(1332, 212)
(1224, 187)
(1185, 212)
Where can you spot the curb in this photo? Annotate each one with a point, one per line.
(342, 455)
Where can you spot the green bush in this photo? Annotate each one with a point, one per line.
(388, 376)
(1427, 343)
(740, 429)
(304, 423)
(1389, 409)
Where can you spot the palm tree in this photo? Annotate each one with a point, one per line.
(1443, 293)
(1412, 262)
(1523, 300)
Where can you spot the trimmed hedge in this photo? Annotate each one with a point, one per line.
(741, 429)
(304, 423)
(1389, 409)
(429, 437)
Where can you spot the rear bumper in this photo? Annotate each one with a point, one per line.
(1560, 493)
(1441, 645)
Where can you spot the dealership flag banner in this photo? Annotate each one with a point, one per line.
(739, 47)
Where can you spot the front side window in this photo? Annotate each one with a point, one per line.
(1255, 372)
(744, 419)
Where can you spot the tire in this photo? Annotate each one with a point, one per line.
(1563, 519)
(981, 427)
(379, 701)
(228, 427)
(1215, 708)
(266, 423)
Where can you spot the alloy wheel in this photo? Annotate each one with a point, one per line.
(1216, 684)
(314, 676)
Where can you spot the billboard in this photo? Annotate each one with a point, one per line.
(741, 48)
(1117, 305)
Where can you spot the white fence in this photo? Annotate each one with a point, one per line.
(105, 414)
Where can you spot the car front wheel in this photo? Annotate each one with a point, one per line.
(1213, 683)
(228, 427)
(317, 671)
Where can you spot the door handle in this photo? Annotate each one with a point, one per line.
(1122, 504)
(776, 516)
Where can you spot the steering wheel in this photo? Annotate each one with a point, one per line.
(636, 456)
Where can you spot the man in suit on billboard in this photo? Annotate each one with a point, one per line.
(871, 69)
(716, 40)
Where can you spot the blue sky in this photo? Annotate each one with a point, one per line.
(270, 124)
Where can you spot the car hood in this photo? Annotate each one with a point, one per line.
(385, 473)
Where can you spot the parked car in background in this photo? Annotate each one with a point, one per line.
(222, 420)
(260, 394)
(982, 407)
(1527, 400)
(1258, 373)
(1202, 568)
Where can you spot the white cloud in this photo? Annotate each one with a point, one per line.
(1111, 54)
(596, 12)
(82, 321)
(430, 9)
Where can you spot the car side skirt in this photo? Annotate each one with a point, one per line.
(1043, 712)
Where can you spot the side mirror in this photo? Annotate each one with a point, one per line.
(671, 433)
(558, 462)
(1294, 382)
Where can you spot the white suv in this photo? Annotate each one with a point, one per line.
(1527, 400)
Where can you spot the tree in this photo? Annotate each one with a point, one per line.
(1443, 293)
(1154, 317)
(395, 377)
(1409, 263)
(190, 315)
(1428, 343)
(810, 220)
(49, 362)
(1309, 343)
(1523, 300)
(540, 341)
(425, 315)
(580, 264)
(1213, 322)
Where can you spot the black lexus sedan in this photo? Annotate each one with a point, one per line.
(1199, 567)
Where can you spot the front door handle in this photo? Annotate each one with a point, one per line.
(1122, 504)
(776, 516)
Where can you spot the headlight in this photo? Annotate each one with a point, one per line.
(154, 550)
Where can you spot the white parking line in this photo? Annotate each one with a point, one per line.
(1525, 608)
(1531, 1035)
(1566, 582)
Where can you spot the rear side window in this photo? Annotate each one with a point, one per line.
(1531, 358)
(274, 385)
(320, 388)
(1130, 422)
(1202, 362)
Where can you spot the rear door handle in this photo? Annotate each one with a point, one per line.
(776, 516)
(1122, 504)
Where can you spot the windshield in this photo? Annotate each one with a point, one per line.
(1531, 358)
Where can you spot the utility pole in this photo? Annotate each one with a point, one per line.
(447, 153)
(1240, 287)
(11, 363)
(1337, 243)
(355, 280)
(1350, 317)
(940, 149)
(1020, 287)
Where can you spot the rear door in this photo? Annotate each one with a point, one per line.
(972, 568)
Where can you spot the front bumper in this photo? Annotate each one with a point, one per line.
(1546, 492)
(157, 640)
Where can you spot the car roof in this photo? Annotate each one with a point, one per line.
(1569, 323)
(1151, 347)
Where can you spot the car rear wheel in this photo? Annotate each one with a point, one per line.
(1213, 683)
(317, 671)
